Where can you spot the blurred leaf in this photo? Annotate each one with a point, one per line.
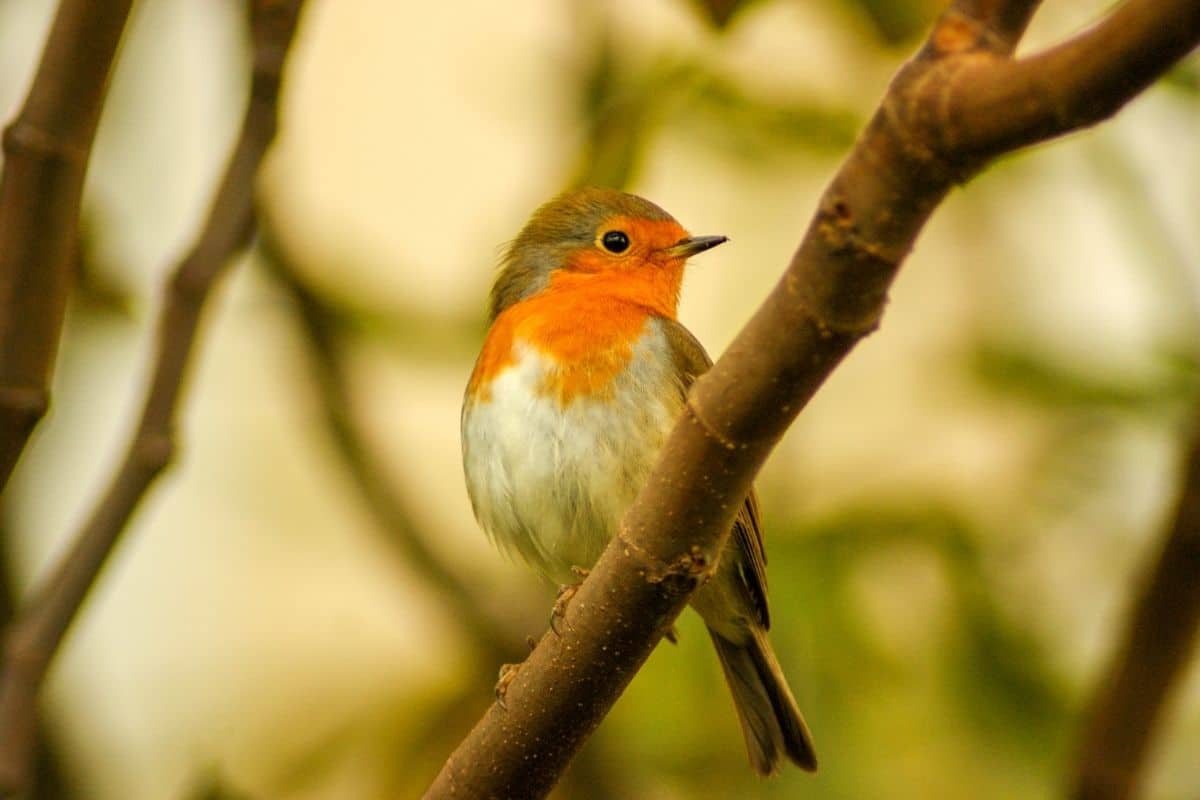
(735, 119)
(1019, 370)
(1161, 260)
(213, 786)
(1008, 686)
(720, 12)
(621, 105)
(1000, 677)
(413, 331)
(898, 21)
(1184, 78)
(97, 288)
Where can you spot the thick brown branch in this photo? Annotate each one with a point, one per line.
(1001, 22)
(45, 156)
(1154, 653)
(997, 106)
(831, 295)
(42, 623)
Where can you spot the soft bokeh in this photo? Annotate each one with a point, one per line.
(955, 525)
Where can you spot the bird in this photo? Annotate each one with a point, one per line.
(581, 376)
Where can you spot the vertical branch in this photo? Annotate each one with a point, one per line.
(49, 781)
(1156, 646)
(46, 153)
(42, 623)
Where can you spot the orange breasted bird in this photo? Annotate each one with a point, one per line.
(582, 375)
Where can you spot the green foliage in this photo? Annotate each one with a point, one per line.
(733, 117)
(897, 21)
(624, 102)
(1184, 78)
(976, 687)
(720, 12)
(1026, 373)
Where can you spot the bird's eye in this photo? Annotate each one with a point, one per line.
(615, 241)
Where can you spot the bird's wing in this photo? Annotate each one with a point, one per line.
(691, 361)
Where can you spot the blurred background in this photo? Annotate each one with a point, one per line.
(304, 606)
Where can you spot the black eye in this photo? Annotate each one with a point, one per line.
(615, 242)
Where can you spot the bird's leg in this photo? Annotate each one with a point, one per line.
(565, 593)
(508, 673)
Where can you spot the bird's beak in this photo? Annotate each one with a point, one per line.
(692, 245)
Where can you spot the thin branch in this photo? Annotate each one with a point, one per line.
(1153, 655)
(832, 294)
(319, 327)
(48, 782)
(46, 151)
(42, 623)
(495, 638)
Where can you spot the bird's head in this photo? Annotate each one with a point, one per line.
(602, 238)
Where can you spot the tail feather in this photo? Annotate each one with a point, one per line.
(770, 719)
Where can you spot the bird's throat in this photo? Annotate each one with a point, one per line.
(584, 326)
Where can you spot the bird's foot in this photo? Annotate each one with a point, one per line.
(565, 593)
(508, 673)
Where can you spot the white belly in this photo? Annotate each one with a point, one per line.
(552, 482)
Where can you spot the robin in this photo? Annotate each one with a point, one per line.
(581, 377)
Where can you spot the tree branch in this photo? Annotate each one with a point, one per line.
(48, 779)
(1001, 21)
(46, 152)
(1154, 651)
(42, 623)
(994, 106)
(319, 329)
(495, 637)
(831, 295)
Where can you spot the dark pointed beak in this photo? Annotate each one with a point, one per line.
(694, 244)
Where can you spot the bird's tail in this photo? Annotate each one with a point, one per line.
(771, 721)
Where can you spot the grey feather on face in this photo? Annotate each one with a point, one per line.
(565, 224)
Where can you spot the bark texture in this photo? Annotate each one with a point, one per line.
(46, 152)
